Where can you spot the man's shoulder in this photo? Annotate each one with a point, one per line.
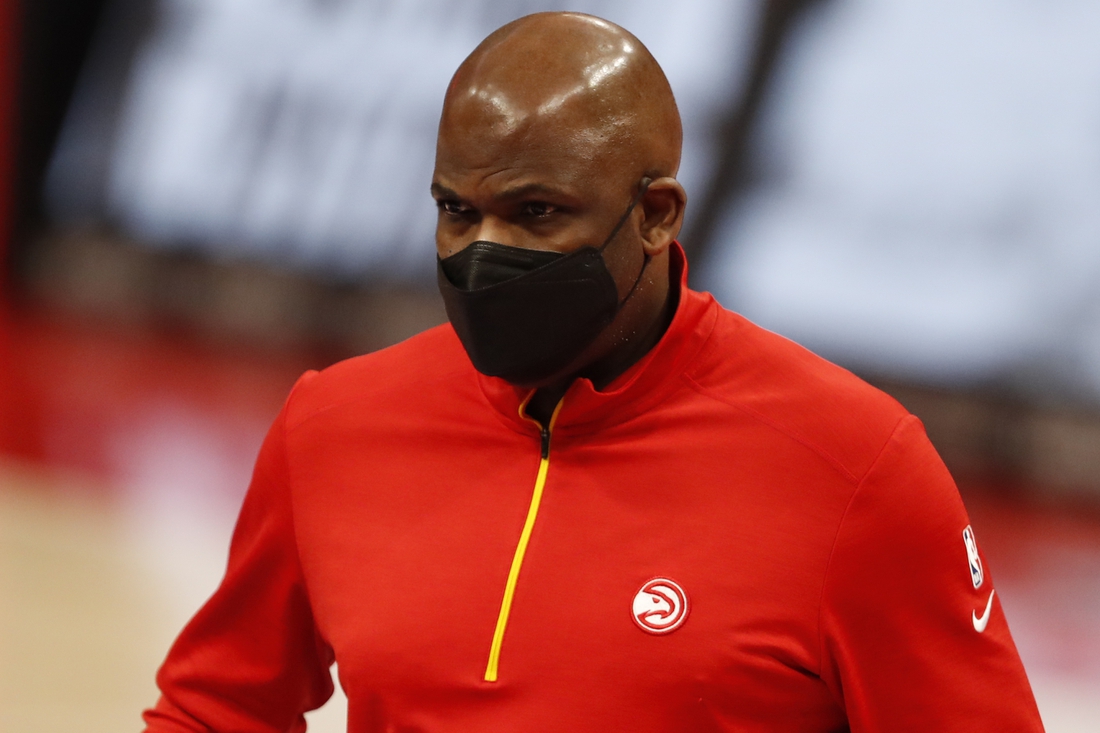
(427, 366)
(791, 390)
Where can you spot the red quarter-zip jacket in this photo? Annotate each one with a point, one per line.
(736, 535)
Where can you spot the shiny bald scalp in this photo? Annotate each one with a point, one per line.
(588, 78)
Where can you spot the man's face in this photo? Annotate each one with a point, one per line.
(541, 184)
(549, 129)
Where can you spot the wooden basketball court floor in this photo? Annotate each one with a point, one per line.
(126, 456)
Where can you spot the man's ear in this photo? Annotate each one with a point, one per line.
(662, 207)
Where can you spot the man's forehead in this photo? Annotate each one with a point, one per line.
(534, 115)
(554, 146)
(519, 175)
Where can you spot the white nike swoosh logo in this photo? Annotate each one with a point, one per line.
(981, 621)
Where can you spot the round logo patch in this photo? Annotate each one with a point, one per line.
(660, 607)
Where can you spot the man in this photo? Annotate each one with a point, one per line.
(638, 513)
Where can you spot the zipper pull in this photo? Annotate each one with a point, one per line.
(545, 433)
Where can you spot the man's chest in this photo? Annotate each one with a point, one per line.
(648, 583)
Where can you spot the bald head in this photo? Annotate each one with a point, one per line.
(585, 83)
(560, 132)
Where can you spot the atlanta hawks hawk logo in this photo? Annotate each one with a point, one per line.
(660, 607)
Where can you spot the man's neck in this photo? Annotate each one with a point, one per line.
(544, 400)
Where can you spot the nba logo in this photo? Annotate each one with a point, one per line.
(976, 574)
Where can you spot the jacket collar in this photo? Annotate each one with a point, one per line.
(646, 383)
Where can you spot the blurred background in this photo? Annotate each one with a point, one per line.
(202, 198)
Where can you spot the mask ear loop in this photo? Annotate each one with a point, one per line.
(630, 209)
(645, 262)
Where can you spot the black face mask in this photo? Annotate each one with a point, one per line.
(523, 314)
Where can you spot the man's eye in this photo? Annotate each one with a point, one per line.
(451, 208)
(538, 209)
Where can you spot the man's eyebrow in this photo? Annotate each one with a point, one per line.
(440, 191)
(521, 191)
(528, 189)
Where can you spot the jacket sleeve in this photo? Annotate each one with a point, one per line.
(251, 659)
(904, 646)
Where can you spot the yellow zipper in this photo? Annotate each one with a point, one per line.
(524, 537)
